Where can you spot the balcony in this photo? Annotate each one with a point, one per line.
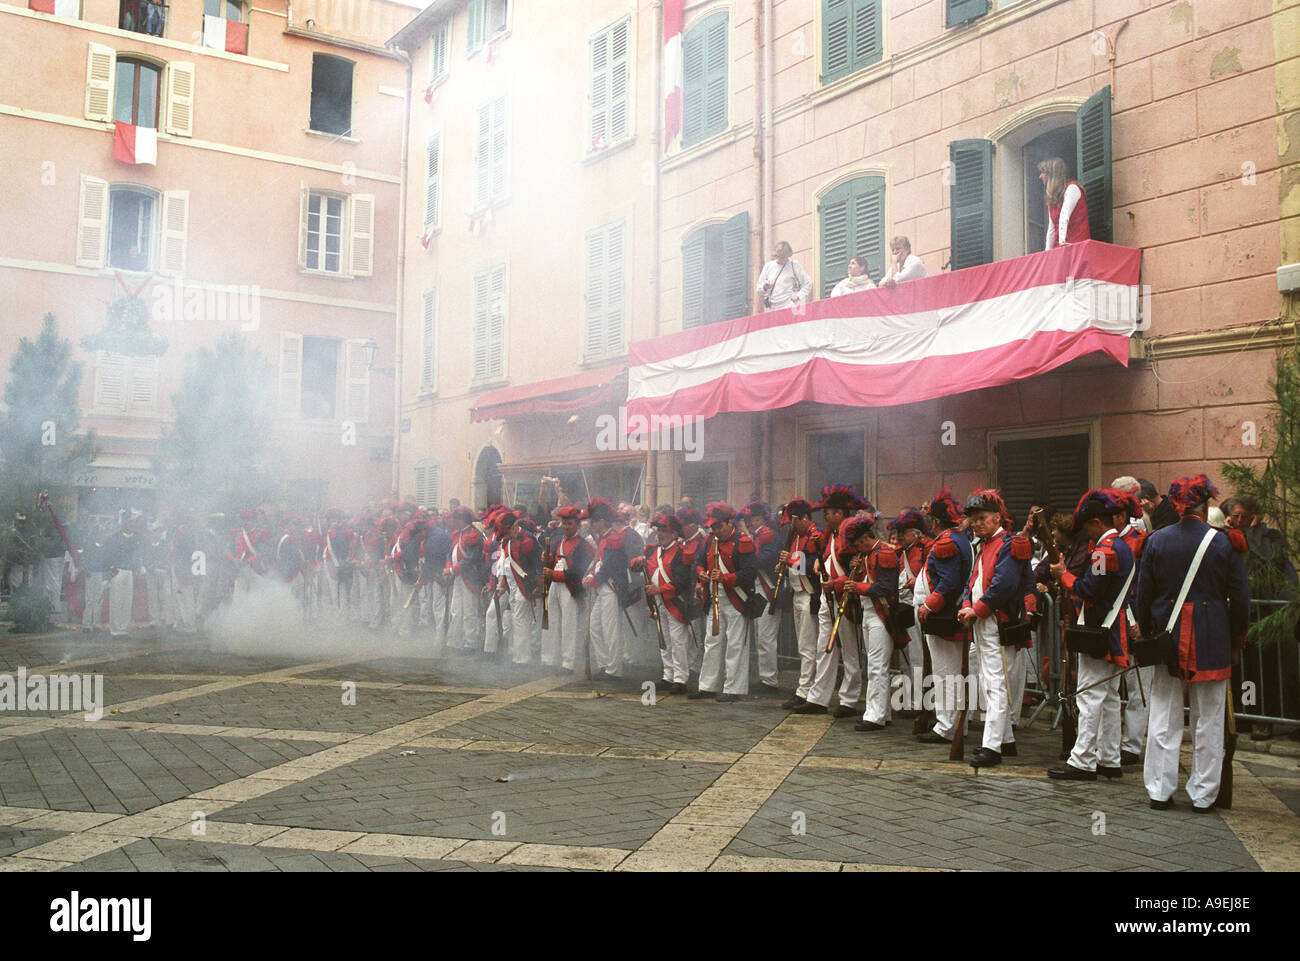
(141, 16)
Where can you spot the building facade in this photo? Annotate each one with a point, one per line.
(210, 167)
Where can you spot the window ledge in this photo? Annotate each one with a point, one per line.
(326, 274)
(492, 207)
(495, 38)
(482, 385)
(596, 156)
(432, 232)
(602, 360)
(437, 82)
(716, 142)
(338, 137)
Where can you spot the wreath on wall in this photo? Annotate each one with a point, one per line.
(126, 329)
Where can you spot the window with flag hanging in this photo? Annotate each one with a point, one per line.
(428, 340)
(605, 297)
(716, 277)
(704, 79)
(609, 59)
(851, 37)
(59, 8)
(1050, 472)
(135, 92)
(224, 26)
(484, 19)
(141, 16)
(852, 218)
(489, 325)
(490, 177)
(439, 41)
(428, 484)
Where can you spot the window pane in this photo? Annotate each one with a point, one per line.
(124, 92)
(331, 94)
(146, 111)
(320, 361)
(130, 230)
(234, 12)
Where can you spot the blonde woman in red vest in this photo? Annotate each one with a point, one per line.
(1067, 207)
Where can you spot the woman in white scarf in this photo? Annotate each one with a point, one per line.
(856, 280)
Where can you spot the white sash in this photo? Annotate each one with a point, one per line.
(1191, 576)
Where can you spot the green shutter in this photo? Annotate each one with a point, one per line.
(716, 64)
(693, 86)
(836, 236)
(972, 202)
(735, 267)
(704, 79)
(475, 19)
(835, 38)
(1048, 472)
(869, 224)
(693, 279)
(964, 11)
(852, 223)
(868, 45)
(1093, 163)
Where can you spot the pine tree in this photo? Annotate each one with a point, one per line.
(1277, 489)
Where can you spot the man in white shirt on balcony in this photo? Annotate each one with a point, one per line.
(903, 265)
(782, 282)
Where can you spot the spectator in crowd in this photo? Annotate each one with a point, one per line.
(1225, 508)
(1067, 208)
(1267, 544)
(904, 264)
(858, 279)
(1159, 511)
(782, 282)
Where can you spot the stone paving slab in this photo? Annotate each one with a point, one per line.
(447, 671)
(123, 772)
(15, 839)
(116, 690)
(949, 821)
(599, 802)
(286, 706)
(694, 726)
(198, 660)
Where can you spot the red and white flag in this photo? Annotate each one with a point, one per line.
(222, 34)
(980, 327)
(674, 12)
(135, 145)
(60, 8)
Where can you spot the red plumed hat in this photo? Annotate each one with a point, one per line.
(719, 511)
(843, 497)
(600, 509)
(855, 527)
(571, 511)
(668, 521)
(1189, 492)
(910, 518)
(943, 507)
(795, 507)
(689, 515)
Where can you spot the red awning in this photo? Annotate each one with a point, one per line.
(563, 395)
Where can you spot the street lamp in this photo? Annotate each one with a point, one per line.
(368, 351)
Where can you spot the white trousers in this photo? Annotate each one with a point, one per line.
(766, 626)
(993, 681)
(433, 605)
(605, 637)
(158, 588)
(1018, 665)
(879, 647)
(1097, 742)
(676, 655)
(1137, 709)
(828, 665)
(949, 685)
(733, 638)
(560, 643)
(805, 633)
(95, 584)
(490, 638)
(1208, 702)
(466, 630)
(185, 605)
(121, 595)
(52, 581)
(525, 626)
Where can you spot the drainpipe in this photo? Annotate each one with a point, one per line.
(401, 278)
(656, 149)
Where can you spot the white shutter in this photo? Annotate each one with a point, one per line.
(496, 328)
(438, 51)
(304, 198)
(428, 484)
(175, 231)
(428, 329)
(92, 222)
(599, 92)
(614, 290)
(180, 99)
(618, 77)
(483, 158)
(432, 186)
(99, 83)
(482, 284)
(363, 235)
(110, 381)
(142, 396)
(356, 400)
(499, 148)
(290, 375)
(596, 270)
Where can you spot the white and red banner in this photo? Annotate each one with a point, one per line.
(60, 8)
(222, 34)
(135, 145)
(674, 12)
(980, 327)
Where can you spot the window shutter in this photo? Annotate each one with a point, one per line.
(736, 279)
(432, 186)
(618, 82)
(481, 285)
(92, 222)
(483, 158)
(356, 399)
(867, 41)
(693, 279)
(614, 306)
(1051, 472)
(110, 381)
(143, 396)
(175, 231)
(290, 392)
(958, 12)
(304, 199)
(599, 92)
(596, 303)
(835, 39)
(1093, 163)
(428, 484)
(180, 99)
(499, 148)
(693, 86)
(427, 333)
(363, 235)
(705, 482)
(869, 224)
(497, 323)
(716, 64)
(438, 51)
(835, 237)
(475, 18)
(99, 83)
(972, 202)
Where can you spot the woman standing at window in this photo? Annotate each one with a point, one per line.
(856, 280)
(1067, 208)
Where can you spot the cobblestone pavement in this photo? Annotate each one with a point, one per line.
(384, 758)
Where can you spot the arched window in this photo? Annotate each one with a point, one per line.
(135, 92)
(852, 219)
(132, 227)
(715, 272)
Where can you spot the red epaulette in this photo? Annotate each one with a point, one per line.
(1108, 552)
(765, 535)
(888, 560)
(943, 546)
(1139, 542)
(745, 545)
(1238, 540)
(1022, 548)
(615, 539)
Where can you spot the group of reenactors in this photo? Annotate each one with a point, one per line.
(948, 595)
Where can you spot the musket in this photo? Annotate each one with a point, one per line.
(958, 749)
(1224, 799)
(780, 571)
(716, 628)
(548, 560)
(43, 500)
(654, 615)
(840, 604)
(1068, 728)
